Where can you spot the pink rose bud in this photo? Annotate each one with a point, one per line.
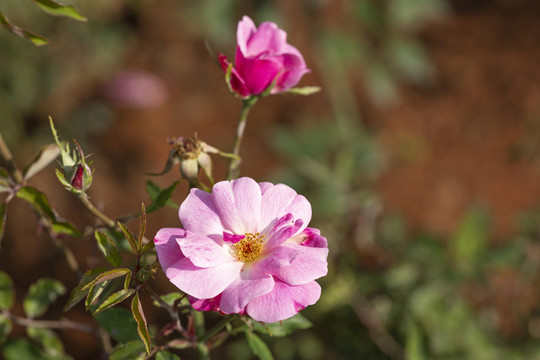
(263, 57)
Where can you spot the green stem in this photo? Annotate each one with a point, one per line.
(202, 348)
(235, 163)
(101, 216)
(216, 329)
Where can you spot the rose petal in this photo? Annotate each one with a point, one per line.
(237, 83)
(310, 237)
(274, 199)
(283, 230)
(198, 213)
(238, 203)
(205, 304)
(257, 74)
(295, 264)
(247, 286)
(267, 39)
(202, 283)
(167, 247)
(246, 28)
(283, 302)
(203, 251)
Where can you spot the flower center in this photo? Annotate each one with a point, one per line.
(249, 247)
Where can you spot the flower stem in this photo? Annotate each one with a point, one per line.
(202, 348)
(235, 163)
(216, 329)
(51, 324)
(101, 216)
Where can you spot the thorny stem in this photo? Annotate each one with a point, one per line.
(51, 324)
(101, 216)
(235, 163)
(170, 309)
(8, 158)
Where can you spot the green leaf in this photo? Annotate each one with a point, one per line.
(414, 344)
(107, 275)
(23, 349)
(142, 226)
(129, 236)
(54, 8)
(161, 198)
(37, 200)
(3, 215)
(77, 294)
(49, 341)
(259, 348)
(166, 355)
(169, 298)
(142, 329)
(22, 33)
(64, 227)
(153, 190)
(46, 155)
(40, 295)
(306, 90)
(127, 351)
(95, 292)
(5, 328)
(114, 299)
(108, 248)
(283, 328)
(7, 292)
(471, 238)
(118, 323)
(148, 246)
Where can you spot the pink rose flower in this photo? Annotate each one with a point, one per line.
(263, 55)
(245, 249)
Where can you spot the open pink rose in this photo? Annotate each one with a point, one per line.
(245, 248)
(263, 55)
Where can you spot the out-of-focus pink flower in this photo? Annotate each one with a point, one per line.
(262, 56)
(137, 89)
(245, 248)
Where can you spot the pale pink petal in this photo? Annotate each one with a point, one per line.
(247, 286)
(295, 264)
(203, 251)
(301, 209)
(267, 39)
(274, 200)
(167, 247)
(257, 74)
(283, 302)
(202, 283)
(205, 304)
(238, 203)
(265, 186)
(246, 28)
(310, 237)
(295, 68)
(198, 213)
(284, 228)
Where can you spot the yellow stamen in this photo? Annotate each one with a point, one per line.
(249, 248)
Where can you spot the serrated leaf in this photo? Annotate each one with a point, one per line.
(22, 33)
(283, 328)
(107, 275)
(3, 213)
(7, 291)
(161, 198)
(306, 90)
(46, 155)
(37, 200)
(127, 351)
(40, 295)
(108, 248)
(114, 299)
(142, 329)
(148, 246)
(153, 190)
(77, 294)
(54, 8)
(49, 341)
(129, 236)
(5, 328)
(166, 355)
(94, 293)
(120, 324)
(259, 348)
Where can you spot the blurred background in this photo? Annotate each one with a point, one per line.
(420, 156)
